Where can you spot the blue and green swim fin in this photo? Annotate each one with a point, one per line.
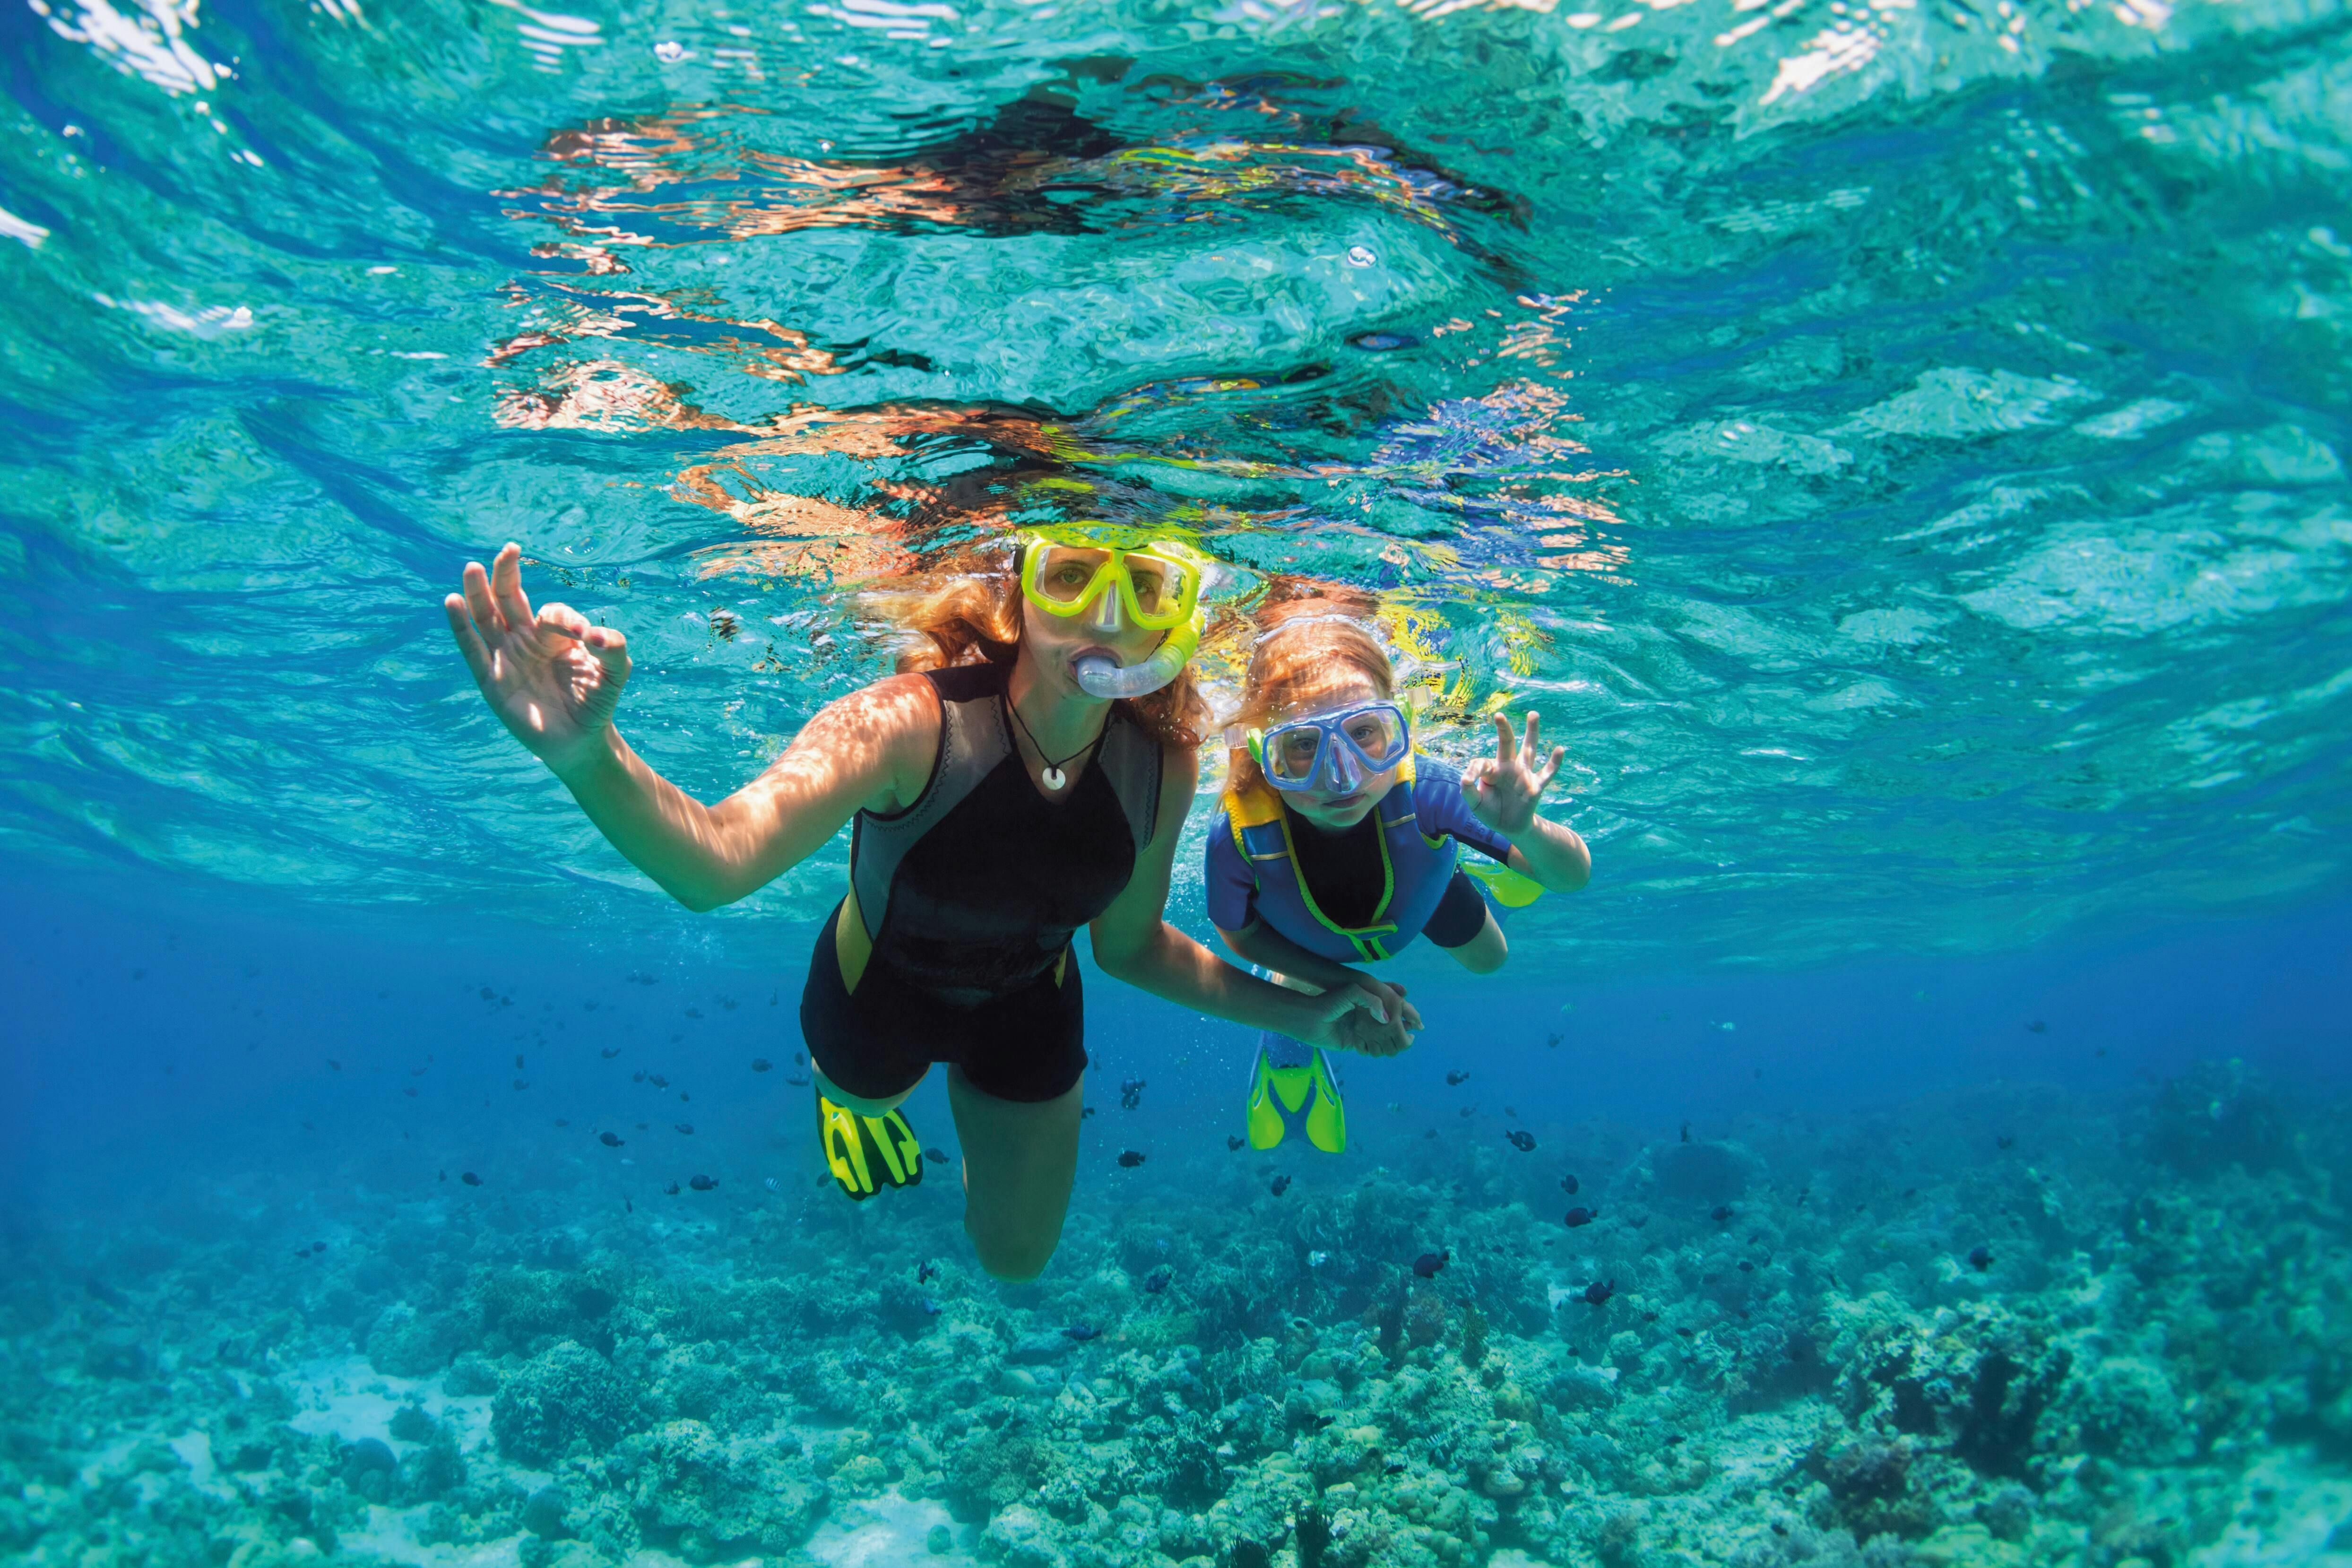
(866, 1153)
(1305, 1095)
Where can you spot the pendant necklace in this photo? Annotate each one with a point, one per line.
(1051, 776)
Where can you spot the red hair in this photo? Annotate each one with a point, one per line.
(1304, 630)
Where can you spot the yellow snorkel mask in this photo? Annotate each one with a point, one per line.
(1113, 577)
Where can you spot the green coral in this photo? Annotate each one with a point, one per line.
(566, 1394)
(707, 1497)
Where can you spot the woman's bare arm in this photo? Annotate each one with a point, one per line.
(872, 749)
(1260, 944)
(1133, 941)
(555, 681)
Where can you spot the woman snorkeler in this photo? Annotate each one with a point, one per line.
(1337, 841)
(1026, 773)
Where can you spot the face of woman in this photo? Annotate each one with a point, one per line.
(1326, 807)
(1056, 643)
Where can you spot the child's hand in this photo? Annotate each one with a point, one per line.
(1503, 789)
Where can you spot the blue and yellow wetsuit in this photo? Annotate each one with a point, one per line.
(1351, 897)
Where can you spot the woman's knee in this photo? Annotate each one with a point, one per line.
(1016, 1260)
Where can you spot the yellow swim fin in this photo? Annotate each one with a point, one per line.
(866, 1153)
(1327, 1113)
(1281, 1096)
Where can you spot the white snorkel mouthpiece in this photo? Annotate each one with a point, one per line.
(1100, 675)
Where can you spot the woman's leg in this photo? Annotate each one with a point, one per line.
(1019, 1161)
(1483, 953)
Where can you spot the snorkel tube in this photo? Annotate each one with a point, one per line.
(1100, 675)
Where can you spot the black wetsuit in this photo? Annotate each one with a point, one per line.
(954, 943)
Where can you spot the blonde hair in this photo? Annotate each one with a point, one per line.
(1303, 629)
(967, 610)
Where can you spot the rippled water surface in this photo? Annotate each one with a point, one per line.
(1896, 445)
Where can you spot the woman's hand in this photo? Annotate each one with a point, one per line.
(1369, 1016)
(1503, 789)
(553, 680)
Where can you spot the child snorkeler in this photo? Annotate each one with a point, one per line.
(1337, 841)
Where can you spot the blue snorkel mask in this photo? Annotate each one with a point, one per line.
(1336, 751)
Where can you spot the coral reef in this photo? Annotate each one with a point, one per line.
(2009, 1334)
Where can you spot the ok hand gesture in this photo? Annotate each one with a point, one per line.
(552, 679)
(1503, 789)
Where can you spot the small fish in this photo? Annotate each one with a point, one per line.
(2007, 1140)
(307, 1128)
(1580, 1216)
(671, 1190)
(1597, 1294)
(470, 1179)
(770, 1183)
(637, 1077)
(658, 1081)
(563, 1122)
(1130, 1094)
(760, 1064)
(798, 1080)
(1427, 1265)
(1232, 1142)
(610, 1140)
(702, 1183)
(522, 1083)
(409, 1089)
(935, 1156)
(1455, 1079)
(1981, 1256)
(1383, 342)
(1318, 1259)
(332, 1063)
(1157, 1279)
(1520, 1139)
(517, 1061)
(609, 1052)
(1128, 1159)
(1552, 1039)
(1568, 1184)
(1082, 1332)
(628, 1205)
(443, 1175)
(1278, 1187)
(417, 1072)
(926, 1270)
(2037, 1027)
(686, 1128)
(1686, 1131)
(930, 1307)
(1721, 1214)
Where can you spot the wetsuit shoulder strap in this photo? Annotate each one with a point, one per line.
(972, 741)
(1130, 761)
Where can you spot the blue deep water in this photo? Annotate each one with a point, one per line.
(1897, 446)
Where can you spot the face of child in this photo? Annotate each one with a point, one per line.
(1336, 802)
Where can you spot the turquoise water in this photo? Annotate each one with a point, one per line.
(1897, 446)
